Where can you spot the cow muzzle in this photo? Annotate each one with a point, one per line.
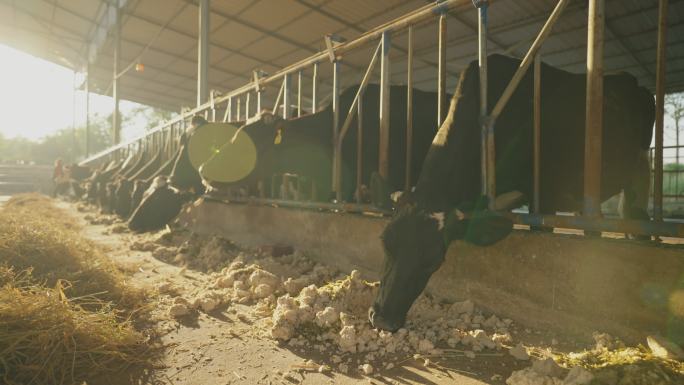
(380, 322)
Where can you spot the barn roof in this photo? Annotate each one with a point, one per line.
(246, 35)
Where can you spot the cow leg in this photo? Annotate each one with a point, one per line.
(380, 192)
(634, 198)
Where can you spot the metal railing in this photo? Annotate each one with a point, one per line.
(238, 106)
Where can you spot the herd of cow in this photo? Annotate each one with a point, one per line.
(445, 202)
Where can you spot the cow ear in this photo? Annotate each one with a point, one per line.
(402, 199)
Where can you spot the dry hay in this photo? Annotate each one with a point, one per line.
(626, 365)
(66, 312)
(33, 240)
(35, 204)
(609, 362)
(47, 338)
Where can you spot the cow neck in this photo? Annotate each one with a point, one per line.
(431, 188)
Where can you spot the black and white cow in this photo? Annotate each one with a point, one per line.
(163, 199)
(416, 239)
(303, 146)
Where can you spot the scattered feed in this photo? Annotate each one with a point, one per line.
(66, 312)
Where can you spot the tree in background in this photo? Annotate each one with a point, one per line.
(69, 143)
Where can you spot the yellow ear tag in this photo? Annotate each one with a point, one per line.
(278, 137)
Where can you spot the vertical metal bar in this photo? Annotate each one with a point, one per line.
(359, 148)
(441, 69)
(660, 111)
(287, 96)
(299, 93)
(87, 110)
(594, 109)
(385, 74)
(314, 85)
(213, 107)
(258, 101)
(227, 115)
(409, 109)
(203, 53)
(239, 108)
(487, 150)
(337, 145)
(116, 117)
(247, 103)
(537, 133)
(277, 102)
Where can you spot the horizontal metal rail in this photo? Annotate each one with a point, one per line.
(648, 228)
(630, 226)
(336, 207)
(423, 13)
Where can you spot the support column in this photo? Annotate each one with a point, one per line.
(441, 70)
(87, 110)
(299, 93)
(287, 96)
(660, 112)
(203, 53)
(594, 109)
(383, 158)
(116, 118)
(337, 156)
(487, 150)
(314, 93)
(409, 110)
(537, 135)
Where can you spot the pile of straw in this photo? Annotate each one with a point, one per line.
(66, 313)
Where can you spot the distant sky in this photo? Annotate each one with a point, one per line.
(36, 97)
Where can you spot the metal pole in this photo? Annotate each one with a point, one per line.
(277, 102)
(337, 143)
(359, 92)
(441, 70)
(487, 150)
(594, 109)
(259, 101)
(354, 108)
(287, 96)
(203, 53)
(247, 103)
(537, 133)
(359, 148)
(116, 118)
(528, 59)
(299, 93)
(383, 158)
(213, 106)
(660, 111)
(87, 110)
(314, 82)
(409, 109)
(227, 116)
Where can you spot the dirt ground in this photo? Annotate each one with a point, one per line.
(233, 345)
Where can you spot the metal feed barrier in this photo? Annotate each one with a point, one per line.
(238, 106)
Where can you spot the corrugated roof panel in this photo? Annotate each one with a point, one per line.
(268, 48)
(235, 35)
(311, 28)
(271, 15)
(231, 7)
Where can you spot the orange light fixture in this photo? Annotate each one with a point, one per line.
(140, 67)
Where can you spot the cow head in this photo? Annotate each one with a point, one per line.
(414, 249)
(415, 243)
